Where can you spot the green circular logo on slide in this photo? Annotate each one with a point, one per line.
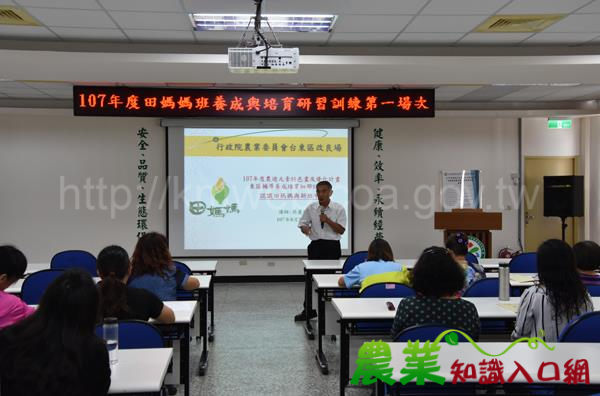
(476, 247)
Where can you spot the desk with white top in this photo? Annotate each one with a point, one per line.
(312, 267)
(354, 310)
(206, 267)
(203, 292)
(327, 284)
(184, 311)
(140, 371)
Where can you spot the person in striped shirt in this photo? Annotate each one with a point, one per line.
(560, 296)
(587, 258)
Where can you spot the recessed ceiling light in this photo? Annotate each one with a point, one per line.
(278, 22)
(536, 85)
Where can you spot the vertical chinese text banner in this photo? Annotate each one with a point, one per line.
(378, 179)
(142, 174)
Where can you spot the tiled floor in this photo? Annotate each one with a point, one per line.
(258, 348)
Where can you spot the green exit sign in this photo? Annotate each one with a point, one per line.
(560, 124)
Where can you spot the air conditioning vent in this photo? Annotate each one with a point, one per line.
(16, 16)
(518, 23)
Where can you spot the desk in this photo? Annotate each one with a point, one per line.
(353, 310)
(184, 314)
(518, 280)
(312, 267)
(489, 264)
(202, 293)
(206, 267)
(326, 284)
(35, 267)
(140, 370)
(16, 287)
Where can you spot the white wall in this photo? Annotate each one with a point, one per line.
(37, 149)
(594, 180)
(415, 151)
(539, 141)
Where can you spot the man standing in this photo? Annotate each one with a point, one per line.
(323, 222)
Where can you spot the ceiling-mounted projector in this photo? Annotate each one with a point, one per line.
(256, 54)
(262, 59)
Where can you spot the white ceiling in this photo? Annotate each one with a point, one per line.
(409, 42)
(384, 22)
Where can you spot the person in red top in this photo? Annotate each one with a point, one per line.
(12, 267)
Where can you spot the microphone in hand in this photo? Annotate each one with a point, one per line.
(322, 213)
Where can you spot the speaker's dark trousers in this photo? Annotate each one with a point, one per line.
(323, 249)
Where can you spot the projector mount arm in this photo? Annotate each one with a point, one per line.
(258, 38)
(261, 37)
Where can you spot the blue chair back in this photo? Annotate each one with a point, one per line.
(583, 329)
(488, 287)
(74, 259)
(524, 262)
(392, 290)
(137, 334)
(384, 289)
(471, 258)
(426, 332)
(353, 260)
(594, 290)
(36, 284)
(184, 294)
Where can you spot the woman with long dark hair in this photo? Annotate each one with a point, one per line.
(123, 302)
(153, 268)
(560, 296)
(54, 352)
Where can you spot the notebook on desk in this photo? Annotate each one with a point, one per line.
(512, 307)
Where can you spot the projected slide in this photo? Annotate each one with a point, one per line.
(245, 189)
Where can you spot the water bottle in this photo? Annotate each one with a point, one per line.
(504, 280)
(110, 332)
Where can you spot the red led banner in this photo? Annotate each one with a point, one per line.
(167, 102)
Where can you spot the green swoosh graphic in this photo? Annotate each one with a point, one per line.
(532, 342)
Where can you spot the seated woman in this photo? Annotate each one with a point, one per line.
(457, 244)
(587, 259)
(380, 261)
(54, 352)
(12, 267)
(436, 279)
(546, 308)
(119, 301)
(153, 268)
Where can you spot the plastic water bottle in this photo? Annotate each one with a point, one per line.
(504, 280)
(110, 332)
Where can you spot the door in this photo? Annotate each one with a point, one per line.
(537, 227)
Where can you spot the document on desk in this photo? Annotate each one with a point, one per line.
(522, 278)
(512, 307)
